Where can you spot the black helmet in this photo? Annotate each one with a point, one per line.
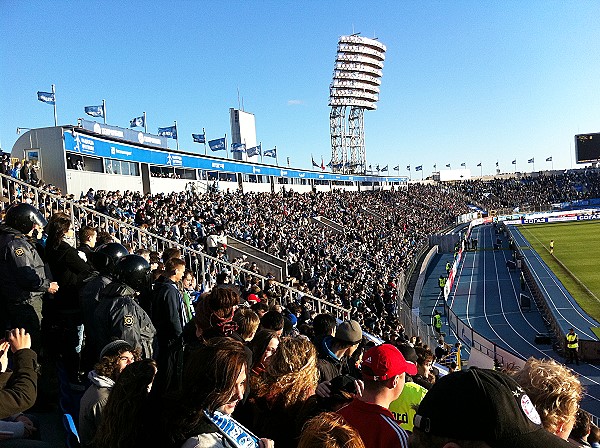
(106, 256)
(23, 217)
(134, 271)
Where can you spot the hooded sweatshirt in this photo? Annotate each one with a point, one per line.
(93, 401)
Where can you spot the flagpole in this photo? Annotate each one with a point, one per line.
(276, 160)
(204, 133)
(55, 115)
(226, 150)
(145, 123)
(104, 110)
(176, 135)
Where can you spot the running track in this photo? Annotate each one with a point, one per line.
(486, 296)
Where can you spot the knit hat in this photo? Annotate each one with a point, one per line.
(349, 331)
(116, 347)
(385, 361)
(487, 406)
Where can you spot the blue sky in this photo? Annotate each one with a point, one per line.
(464, 81)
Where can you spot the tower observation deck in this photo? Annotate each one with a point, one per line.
(354, 89)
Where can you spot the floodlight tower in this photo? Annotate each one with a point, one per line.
(355, 87)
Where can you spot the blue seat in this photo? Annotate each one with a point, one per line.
(72, 434)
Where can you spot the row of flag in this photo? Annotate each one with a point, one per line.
(218, 144)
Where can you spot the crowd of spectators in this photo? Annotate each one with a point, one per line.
(533, 191)
(223, 362)
(356, 268)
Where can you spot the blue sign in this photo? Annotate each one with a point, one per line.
(85, 144)
(125, 134)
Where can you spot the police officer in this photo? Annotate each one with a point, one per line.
(22, 272)
(104, 259)
(442, 283)
(572, 346)
(119, 315)
(437, 322)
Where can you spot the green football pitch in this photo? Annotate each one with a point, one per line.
(576, 258)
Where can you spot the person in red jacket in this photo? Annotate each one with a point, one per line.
(383, 370)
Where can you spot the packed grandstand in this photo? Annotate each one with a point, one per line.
(374, 242)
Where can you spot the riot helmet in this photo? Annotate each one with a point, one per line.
(23, 217)
(133, 271)
(105, 257)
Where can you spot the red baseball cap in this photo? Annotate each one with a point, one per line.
(253, 298)
(385, 361)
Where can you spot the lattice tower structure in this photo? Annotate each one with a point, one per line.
(354, 89)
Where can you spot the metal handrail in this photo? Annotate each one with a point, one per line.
(204, 266)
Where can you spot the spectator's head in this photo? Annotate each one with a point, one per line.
(88, 235)
(214, 312)
(329, 430)
(247, 322)
(489, 410)
(348, 335)
(424, 361)
(324, 325)
(128, 401)
(273, 320)
(384, 372)
(291, 376)
(144, 253)
(174, 269)
(583, 426)
(59, 228)
(555, 392)
(215, 375)
(114, 357)
(260, 308)
(263, 346)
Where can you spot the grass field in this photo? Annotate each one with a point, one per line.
(576, 247)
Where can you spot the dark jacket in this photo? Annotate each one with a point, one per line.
(89, 299)
(328, 364)
(18, 388)
(68, 270)
(22, 272)
(166, 312)
(119, 316)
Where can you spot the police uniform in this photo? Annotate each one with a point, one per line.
(119, 316)
(572, 347)
(24, 282)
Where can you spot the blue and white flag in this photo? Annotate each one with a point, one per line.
(408, 167)
(238, 147)
(254, 151)
(549, 159)
(217, 144)
(479, 164)
(46, 97)
(419, 168)
(316, 164)
(94, 111)
(530, 161)
(514, 162)
(397, 167)
(385, 168)
(170, 132)
(199, 138)
(137, 122)
(377, 168)
(270, 153)
(447, 165)
(463, 164)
